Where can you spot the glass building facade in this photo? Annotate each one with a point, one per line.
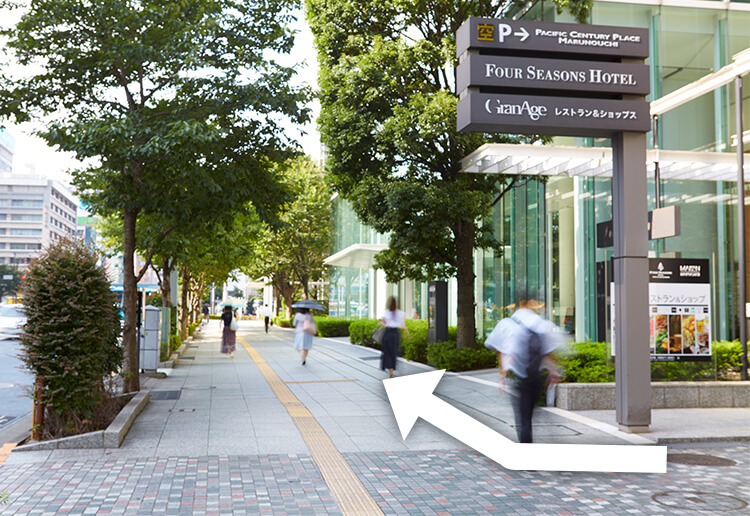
(548, 227)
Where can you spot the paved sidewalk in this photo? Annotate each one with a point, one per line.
(266, 435)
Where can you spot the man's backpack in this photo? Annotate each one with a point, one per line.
(533, 350)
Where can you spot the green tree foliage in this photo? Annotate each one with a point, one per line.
(291, 253)
(70, 339)
(177, 105)
(388, 120)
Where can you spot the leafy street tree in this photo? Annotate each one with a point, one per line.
(164, 98)
(290, 254)
(70, 340)
(388, 121)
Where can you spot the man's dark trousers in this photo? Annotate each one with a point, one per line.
(528, 391)
(266, 319)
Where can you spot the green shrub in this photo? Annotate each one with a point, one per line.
(174, 343)
(361, 330)
(585, 362)
(331, 326)
(728, 357)
(282, 322)
(4, 497)
(414, 343)
(70, 339)
(445, 355)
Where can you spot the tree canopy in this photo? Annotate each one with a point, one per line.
(290, 254)
(178, 104)
(388, 121)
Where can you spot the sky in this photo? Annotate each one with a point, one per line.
(32, 154)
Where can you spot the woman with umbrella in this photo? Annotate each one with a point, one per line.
(304, 327)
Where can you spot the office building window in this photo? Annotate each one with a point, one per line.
(26, 232)
(28, 218)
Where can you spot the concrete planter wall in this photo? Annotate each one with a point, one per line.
(601, 396)
(112, 437)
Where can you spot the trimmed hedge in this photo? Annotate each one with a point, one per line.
(360, 332)
(586, 362)
(445, 355)
(282, 322)
(414, 346)
(331, 326)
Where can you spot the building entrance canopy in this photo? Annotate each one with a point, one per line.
(360, 256)
(549, 160)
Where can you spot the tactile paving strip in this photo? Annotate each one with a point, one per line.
(349, 493)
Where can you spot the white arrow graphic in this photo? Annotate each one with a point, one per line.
(412, 397)
(524, 34)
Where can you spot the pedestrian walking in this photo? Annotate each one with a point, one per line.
(304, 328)
(229, 335)
(393, 320)
(205, 313)
(266, 313)
(524, 343)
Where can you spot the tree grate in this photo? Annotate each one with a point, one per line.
(164, 395)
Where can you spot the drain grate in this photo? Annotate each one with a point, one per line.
(369, 358)
(182, 410)
(164, 395)
(695, 459)
(699, 501)
(186, 358)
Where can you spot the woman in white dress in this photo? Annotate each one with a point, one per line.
(302, 340)
(393, 320)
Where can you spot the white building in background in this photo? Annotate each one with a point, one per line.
(7, 143)
(34, 212)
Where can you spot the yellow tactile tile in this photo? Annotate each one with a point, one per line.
(5, 451)
(349, 493)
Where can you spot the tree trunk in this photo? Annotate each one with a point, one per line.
(39, 408)
(130, 303)
(166, 273)
(466, 330)
(305, 280)
(286, 291)
(184, 308)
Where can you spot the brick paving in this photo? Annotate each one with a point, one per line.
(440, 482)
(216, 459)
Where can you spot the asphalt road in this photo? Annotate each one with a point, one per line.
(14, 382)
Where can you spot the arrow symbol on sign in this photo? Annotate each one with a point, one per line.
(412, 397)
(523, 34)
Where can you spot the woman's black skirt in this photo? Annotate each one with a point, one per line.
(390, 345)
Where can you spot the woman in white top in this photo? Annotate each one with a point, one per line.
(302, 341)
(393, 320)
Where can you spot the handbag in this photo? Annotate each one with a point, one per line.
(234, 325)
(308, 326)
(377, 335)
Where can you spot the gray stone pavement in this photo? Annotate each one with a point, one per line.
(216, 439)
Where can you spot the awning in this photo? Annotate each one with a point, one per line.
(550, 160)
(360, 256)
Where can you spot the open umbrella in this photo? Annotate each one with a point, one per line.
(308, 303)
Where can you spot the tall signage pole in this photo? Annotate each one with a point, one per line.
(558, 79)
(741, 224)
